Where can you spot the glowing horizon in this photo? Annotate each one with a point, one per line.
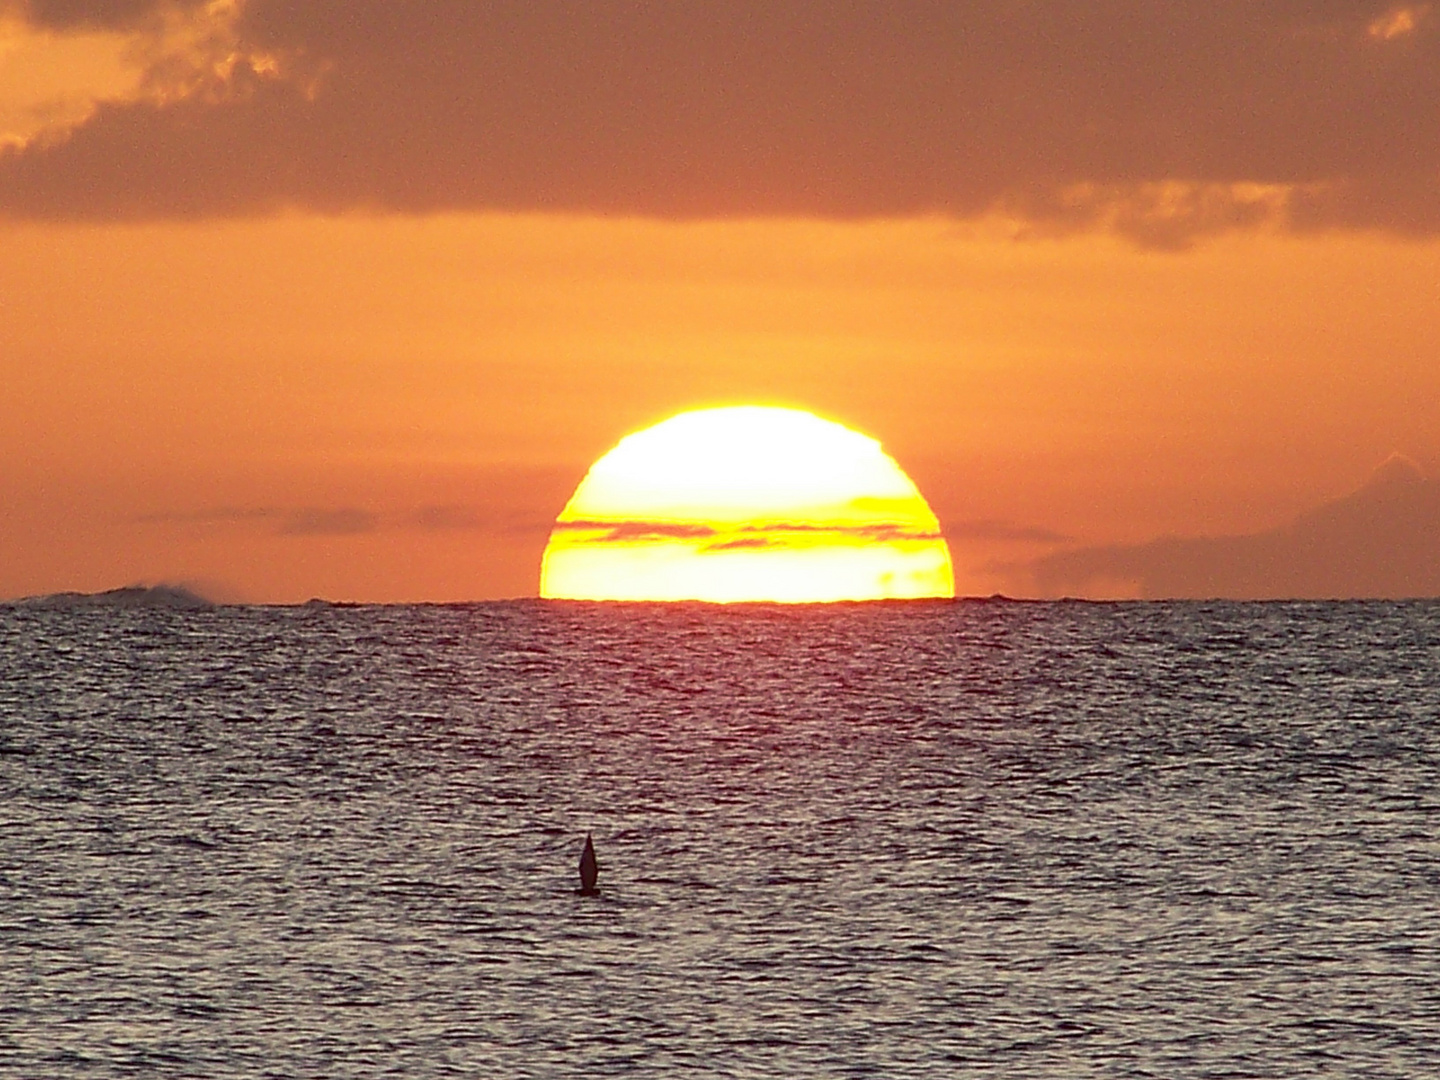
(746, 503)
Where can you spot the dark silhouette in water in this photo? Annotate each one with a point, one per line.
(589, 869)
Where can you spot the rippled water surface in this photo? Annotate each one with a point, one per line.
(948, 839)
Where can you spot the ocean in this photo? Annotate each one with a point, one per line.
(940, 839)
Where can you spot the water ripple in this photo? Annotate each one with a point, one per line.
(977, 838)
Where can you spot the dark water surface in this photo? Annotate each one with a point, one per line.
(938, 839)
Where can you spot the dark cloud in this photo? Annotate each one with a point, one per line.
(476, 519)
(751, 543)
(1382, 541)
(889, 532)
(876, 531)
(306, 521)
(310, 521)
(989, 529)
(1161, 121)
(448, 517)
(750, 536)
(630, 531)
(346, 521)
(219, 514)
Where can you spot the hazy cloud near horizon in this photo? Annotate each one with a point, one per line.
(354, 520)
(1162, 121)
(1001, 531)
(1380, 542)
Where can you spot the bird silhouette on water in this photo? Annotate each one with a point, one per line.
(589, 868)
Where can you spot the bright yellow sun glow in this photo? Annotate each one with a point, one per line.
(746, 503)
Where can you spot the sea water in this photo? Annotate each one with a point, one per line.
(891, 840)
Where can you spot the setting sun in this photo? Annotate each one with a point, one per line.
(746, 503)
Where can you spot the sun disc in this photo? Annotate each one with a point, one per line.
(746, 503)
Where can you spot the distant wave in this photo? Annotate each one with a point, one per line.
(131, 596)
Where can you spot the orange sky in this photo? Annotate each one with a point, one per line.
(299, 391)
